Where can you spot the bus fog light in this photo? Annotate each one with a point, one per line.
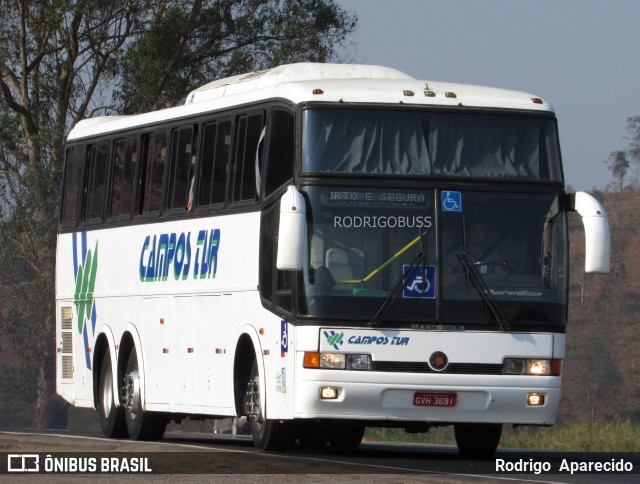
(334, 361)
(535, 399)
(358, 362)
(329, 393)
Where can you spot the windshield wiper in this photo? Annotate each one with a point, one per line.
(483, 290)
(397, 289)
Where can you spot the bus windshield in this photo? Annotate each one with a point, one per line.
(435, 143)
(375, 246)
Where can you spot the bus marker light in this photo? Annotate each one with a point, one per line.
(537, 100)
(535, 399)
(161, 320)
(429, 93)
(318, 91)
(311, 360)
(261, 331)
(408, 92)
(329, 393)
(189, 350)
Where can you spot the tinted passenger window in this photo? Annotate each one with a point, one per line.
(154, 173)
(246, 151)
(72, 179)
(181, 167)
(215, 157)
(124, 171)
(96, 181)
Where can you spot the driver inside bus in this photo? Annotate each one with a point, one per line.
(486, 259)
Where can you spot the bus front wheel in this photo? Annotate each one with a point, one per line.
(111, 417)
(477, 441)
(268, 434)
(141, 425)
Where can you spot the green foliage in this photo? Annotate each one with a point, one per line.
(188, 44)
(598, 436)
(17, 396)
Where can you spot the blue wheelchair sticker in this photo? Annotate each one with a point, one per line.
(451, 201)
(416, 286)
(284, 338)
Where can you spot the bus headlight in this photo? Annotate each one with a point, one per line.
(358, 362)
(337, 361)
(334, 361)
(532, 366)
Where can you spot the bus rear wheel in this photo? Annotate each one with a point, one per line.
(141, 425)
(477, 441)
(267, 434)
(111, 417)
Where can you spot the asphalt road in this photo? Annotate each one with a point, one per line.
(219, 458)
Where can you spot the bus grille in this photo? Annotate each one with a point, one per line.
(421, 367)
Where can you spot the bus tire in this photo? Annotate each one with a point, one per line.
(267, 434)
(111, 417)
(140, 425)
(346, 435)
(311, 433)
(477, 441)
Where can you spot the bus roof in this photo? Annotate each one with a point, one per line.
(315, 82)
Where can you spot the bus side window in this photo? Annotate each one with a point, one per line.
(267, 255)
(216, 147)
(96, 181)
(276, 287)
(124, 172)
(280, 164)
(247, 139)
(181, 169)
(72, 178)
(153, 165)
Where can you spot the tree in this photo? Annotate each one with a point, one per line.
(65, 60)
(618, 165)
(190, 44)
(633, 151)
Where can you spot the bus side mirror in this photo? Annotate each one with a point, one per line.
(596, 232)
(291, 231)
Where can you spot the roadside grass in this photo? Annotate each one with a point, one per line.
(598, 436)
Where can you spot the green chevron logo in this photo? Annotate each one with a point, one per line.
(334, 339)
(85, 283)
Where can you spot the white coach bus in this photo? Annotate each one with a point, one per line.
(320, 248)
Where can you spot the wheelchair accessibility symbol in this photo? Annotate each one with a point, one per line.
(451, 201)
(419, 287)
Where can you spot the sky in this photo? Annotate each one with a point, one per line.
(582, 56)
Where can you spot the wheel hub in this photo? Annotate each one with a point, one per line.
(131, 393)
(253, 400)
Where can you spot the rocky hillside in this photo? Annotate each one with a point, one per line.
(601, 377)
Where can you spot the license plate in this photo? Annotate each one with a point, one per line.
(434, 399)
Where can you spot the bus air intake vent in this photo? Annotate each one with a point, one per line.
(67, 367)
(66, 341)
(66, 318)
(420, 367)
